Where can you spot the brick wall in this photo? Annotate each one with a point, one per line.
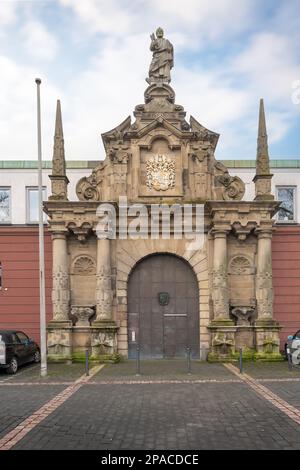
(286, 278)
(19, 256)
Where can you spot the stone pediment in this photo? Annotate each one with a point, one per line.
(160, 156)
(204, 134)
(160, 137)
(116, 134)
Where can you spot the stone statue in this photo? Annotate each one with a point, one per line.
(162, 60)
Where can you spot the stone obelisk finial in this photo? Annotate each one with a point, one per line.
(59, 180)
(263, 176)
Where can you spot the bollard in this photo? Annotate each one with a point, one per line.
(138, 361)
(203, 353)
(188, 350)
(87, 362)
(290, 362)
(241, 361)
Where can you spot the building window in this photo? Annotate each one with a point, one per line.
(287, 196)
(5, 204)
(32, 200)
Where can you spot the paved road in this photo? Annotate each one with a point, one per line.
(163, 409)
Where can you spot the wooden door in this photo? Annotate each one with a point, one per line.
(163, 308)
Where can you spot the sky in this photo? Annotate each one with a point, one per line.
(94, 56)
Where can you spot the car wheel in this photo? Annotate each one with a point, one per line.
(37, 356)
(13, 366)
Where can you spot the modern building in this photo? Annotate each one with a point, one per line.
(238, 288)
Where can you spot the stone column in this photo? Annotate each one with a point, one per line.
(104, 329)
(264, 284)
(266, 329)
(59, 330)
(60, 274)
(220, 278)
(103, 282)
(222, 327)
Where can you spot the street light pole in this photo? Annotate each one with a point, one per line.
(38, 81)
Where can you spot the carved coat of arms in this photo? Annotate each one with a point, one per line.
(160, 173)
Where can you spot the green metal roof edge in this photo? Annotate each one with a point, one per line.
(47, 164)
(80, 164)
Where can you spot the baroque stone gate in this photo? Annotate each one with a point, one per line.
(161, 158)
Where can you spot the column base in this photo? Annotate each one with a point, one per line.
(267, 339)
(104, 341)
(59, 341)
(222, 340)
(259, 342)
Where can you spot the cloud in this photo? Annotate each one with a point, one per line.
(210, 19)
(224, 62)
(269, 65)
(7, 13)
(38, 42)
(18, 111)
(109, 17)
(194, 19)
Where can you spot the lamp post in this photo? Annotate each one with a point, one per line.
(38, 82)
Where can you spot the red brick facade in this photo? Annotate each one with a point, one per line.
(19, 296)
(286, 279)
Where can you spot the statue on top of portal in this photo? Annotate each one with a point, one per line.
(162, 61)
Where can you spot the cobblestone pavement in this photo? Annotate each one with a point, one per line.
(290, 393)
(169, 416)
(17, 403)
(275, 370)
(56, 373)
(28, 369)
(163, 370)
(214, 410)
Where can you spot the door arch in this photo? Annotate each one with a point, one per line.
(163, 308)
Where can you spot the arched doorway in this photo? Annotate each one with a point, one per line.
(163, 308)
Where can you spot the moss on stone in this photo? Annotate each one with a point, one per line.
(221, 322)
(268, 357)
(107, 358)
(58, 359)
(248, 355)
(212, 357)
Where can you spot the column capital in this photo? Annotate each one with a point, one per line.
(59, 234)
(264, 233)
(219, 232)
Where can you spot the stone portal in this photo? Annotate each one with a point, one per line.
(162, 158)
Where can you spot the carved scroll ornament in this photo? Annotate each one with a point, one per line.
(88, 187)
(234, 187)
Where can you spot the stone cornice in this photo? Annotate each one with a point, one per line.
(243, 206)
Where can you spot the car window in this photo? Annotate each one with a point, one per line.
(14, 338)
(22, 337)
(297, 335)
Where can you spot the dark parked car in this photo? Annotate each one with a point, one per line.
(292, 347)
(17, 349)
